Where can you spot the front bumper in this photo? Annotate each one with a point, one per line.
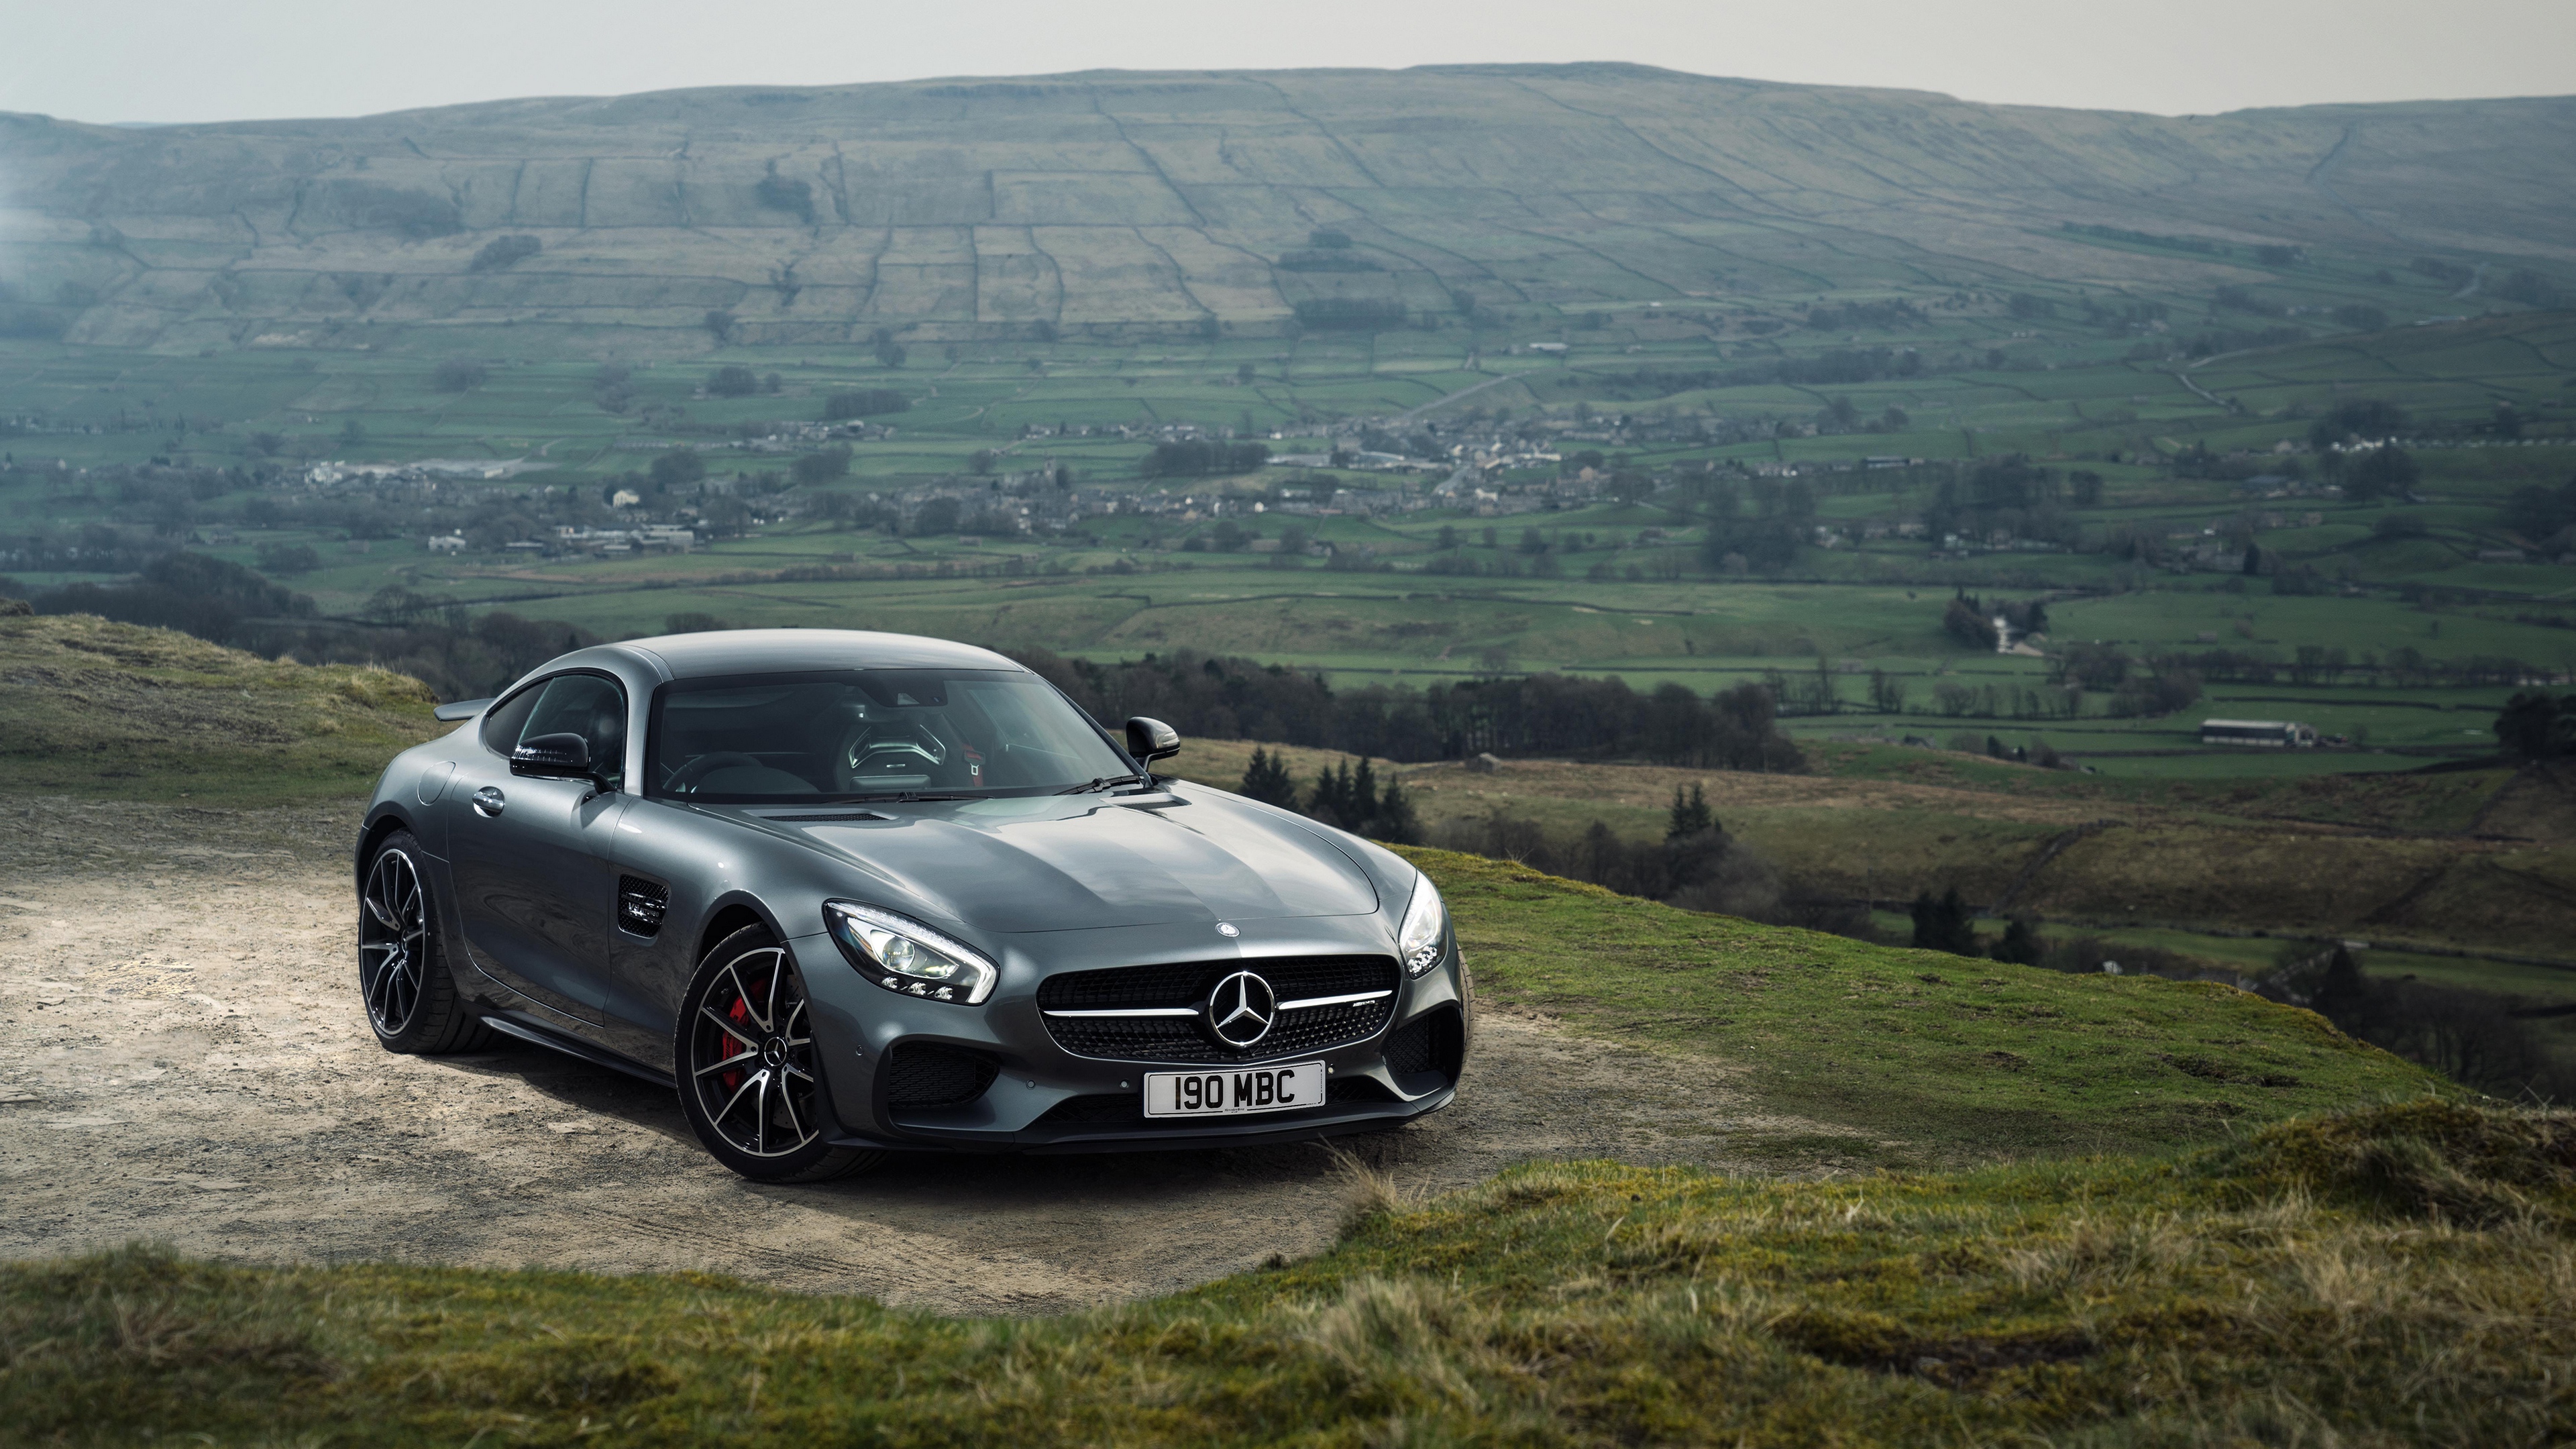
(1044, 1098)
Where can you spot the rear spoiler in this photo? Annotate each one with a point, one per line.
(463, 709)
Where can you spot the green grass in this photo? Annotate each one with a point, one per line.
(1936, 1058)
(2393, 1276)
(120, 712)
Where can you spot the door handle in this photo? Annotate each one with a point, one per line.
(488, 801)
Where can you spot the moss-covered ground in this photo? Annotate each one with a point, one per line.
(2397, 1275)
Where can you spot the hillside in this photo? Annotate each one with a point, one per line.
(93, 708)
(1117, 203)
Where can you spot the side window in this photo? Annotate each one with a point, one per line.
(503, 722)
(588, 706)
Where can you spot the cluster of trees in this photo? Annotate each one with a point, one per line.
(1196, 458)
(1947, 923)
(2476, 1038)
(458, 374)
(459, 655)
(1865, 316)
(2540, 513)
(1971, 620)
(1351, 313)
(866, 402)
(1344, 797)
(2200, 244)
(1232, 698)
(1696, 866)
(742, 382)
(2533, 726)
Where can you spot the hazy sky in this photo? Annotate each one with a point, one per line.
(191, 60)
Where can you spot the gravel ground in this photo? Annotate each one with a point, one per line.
(183, 1059)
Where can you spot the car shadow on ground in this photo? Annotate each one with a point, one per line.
(954, 1179)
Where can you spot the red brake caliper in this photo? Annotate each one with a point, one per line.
(739, 1016)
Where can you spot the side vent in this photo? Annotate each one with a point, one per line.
(640, 904)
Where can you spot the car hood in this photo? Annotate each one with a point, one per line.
(1085, 862)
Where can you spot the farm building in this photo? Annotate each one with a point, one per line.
(2262, 734)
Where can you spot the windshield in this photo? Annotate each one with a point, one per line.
(801, 738)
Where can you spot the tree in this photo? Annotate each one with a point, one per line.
(288, 558)
(2020, 944)
(677, 469)
(2536, 727)
(457, 374)
(982, 461)
(1267, 780)
(1396, 824)
(1966, 620)
(719, 324)
(2387, 471)
(1688, 816)
(822, 467)
(1944, 924)
(732, 382)
(2343, 994)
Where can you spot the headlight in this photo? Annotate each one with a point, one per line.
(1426, 920)
(904, 956)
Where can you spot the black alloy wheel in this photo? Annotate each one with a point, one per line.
(748, 1078)
(412, 1002)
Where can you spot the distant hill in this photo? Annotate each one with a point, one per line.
(1115, 203)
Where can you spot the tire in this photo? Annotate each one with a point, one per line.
(749, 1079)
(409, 995)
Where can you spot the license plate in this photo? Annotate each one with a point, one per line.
(1234, 1091)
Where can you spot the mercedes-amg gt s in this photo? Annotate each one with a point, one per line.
(853, 892)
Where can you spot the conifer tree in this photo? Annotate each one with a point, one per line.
(1267, 780)
(1689, 815)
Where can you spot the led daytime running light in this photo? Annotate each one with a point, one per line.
(1426, 925)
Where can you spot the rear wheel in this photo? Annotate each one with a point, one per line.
(748, 1077)
(411, 1000)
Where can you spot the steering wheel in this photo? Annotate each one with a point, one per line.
(686, 778)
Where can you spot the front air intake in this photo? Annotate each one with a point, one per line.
(1426, 1053)
(929, 1074)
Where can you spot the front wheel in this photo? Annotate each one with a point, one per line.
(412, 1002)
(748, 1079)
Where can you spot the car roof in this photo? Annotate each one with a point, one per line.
(763, 651)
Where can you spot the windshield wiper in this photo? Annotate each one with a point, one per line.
(901, 797)
(1102, 783)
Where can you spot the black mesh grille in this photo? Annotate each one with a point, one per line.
(926, 1074)
(1431, 1043)
(1184, 1039)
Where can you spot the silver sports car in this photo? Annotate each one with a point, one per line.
(855, 892)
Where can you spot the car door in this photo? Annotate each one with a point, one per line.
(530, 857)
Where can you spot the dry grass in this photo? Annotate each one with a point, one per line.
(2396, 1276)
(89, 707)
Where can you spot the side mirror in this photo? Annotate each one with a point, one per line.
(1151, 739)
(552, 757)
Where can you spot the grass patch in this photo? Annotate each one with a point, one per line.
(1963, 1059)
(2395, 1275)
(116, 711)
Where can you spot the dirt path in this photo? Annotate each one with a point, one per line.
(182, 1058)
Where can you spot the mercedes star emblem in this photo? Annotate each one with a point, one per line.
(1227, 930)
(1241, 1009)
